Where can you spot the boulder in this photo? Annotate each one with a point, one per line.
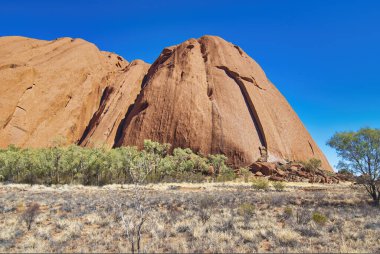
(259, 174)
(280, 172)
(266, 168)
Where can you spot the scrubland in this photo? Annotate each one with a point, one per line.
(204, 217)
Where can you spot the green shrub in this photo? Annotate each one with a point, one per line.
(278, 186)
(319, 218)
(226, 174)
(62, 164)
(246, 209)
(312, 165)
(260, 184)
(244, 172)
(288, 212)
(344, 171)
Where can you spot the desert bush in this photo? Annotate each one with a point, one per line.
(303, 216)
(100, 166)
(288, 212)
(246, 210)
(312, 165)
(244, 172)
(226, 174)
(204, 206)
(319, 218)
(278, 186)
(260, 184)
(29, 215)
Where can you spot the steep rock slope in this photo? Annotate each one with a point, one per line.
(50, 88)
(209, 95)
(107, 123)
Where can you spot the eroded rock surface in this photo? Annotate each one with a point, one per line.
(50, 89)
(106, 125)
(206, 94)
(209, 95)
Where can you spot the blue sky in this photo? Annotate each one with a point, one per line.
(323, 55)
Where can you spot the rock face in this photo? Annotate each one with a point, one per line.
(206, 94)
(209, 95)
(52, 88)
(107, 123)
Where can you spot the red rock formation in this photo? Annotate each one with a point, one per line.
(209, 95)
(205, 94)
(106, 125)
(50, 88)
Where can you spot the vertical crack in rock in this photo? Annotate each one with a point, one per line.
(131, 112)
(97, 115)
(251, 108)
(123, 125)
(311, 147)
(69, 97)
(217, 145)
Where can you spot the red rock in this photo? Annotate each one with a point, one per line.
(266, 168)
(50, 89)
(209, 95)
(258, 173)
(302, 174)
(206, 94)
(280, 172)
(124, 88)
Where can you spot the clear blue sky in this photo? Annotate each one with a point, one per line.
(322, 55)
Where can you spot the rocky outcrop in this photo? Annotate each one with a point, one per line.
(63, 88)
(294, 172)
(50, 88)
(205, 94)
(209, 95)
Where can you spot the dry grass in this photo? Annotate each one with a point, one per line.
(191, 218)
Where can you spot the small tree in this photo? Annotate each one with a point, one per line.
(360, 153)
(30, 214)
(134, 219)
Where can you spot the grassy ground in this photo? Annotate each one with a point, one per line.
(219, 217)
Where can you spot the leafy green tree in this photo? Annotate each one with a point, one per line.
(11, 166)
(123, 160)
(360, 153)
(30, 163)
(52, 162)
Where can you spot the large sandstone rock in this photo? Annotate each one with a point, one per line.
(209, 95)
(50, 89)
(106, 125)
(206, 94)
